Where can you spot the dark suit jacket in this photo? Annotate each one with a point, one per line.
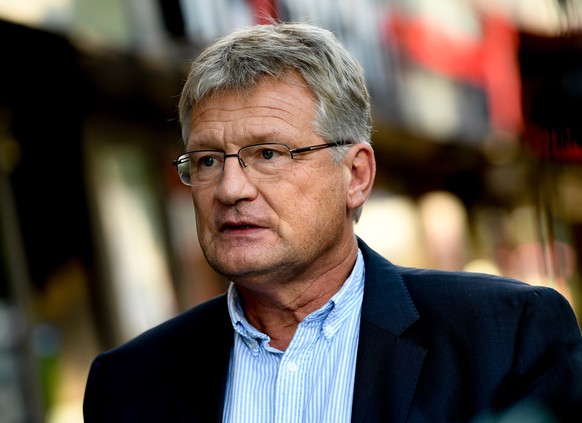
(434, 346)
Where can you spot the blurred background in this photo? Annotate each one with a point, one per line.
(478, 117)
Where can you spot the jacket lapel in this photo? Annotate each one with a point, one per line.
(199, 387)
(388, 365)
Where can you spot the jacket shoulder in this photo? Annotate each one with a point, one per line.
(177, 368)
(206, 322)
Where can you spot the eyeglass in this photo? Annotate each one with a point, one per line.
(261, 161)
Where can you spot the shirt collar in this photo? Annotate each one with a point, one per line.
(346, 301)
(250, 335)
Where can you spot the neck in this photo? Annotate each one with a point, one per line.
(279, 310)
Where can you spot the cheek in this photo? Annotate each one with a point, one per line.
(309, 206)
(202, 213)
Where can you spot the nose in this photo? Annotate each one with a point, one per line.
(235, 184)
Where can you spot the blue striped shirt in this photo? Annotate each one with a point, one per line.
(313, 380)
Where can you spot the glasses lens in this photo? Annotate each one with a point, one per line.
(205, 166)
(267, 160)
(183, 167)
(199, 167)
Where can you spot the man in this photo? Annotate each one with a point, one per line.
(317, 327)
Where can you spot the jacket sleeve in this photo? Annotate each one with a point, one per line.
(547, 361)
(113, 394)
(92, 394)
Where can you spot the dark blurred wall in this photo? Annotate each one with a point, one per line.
(43, 91)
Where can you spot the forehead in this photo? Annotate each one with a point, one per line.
(274, 107)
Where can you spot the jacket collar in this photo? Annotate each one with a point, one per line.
(387, 302)
(388, 365)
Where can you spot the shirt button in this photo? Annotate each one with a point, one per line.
(328, 330)
(292, 367)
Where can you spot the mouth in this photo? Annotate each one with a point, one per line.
(230, 227)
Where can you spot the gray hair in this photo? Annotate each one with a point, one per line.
(241, 59)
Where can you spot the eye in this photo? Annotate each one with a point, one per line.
(268, 154)
(207, 161)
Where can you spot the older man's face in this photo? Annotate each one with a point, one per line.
(259, 230)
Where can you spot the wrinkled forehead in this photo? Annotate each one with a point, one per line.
(267, 112)
(291, 79)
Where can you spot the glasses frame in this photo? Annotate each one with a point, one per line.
(292, 153)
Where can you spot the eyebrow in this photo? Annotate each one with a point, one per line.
(212, 145)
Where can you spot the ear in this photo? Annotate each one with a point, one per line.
(361, 165)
